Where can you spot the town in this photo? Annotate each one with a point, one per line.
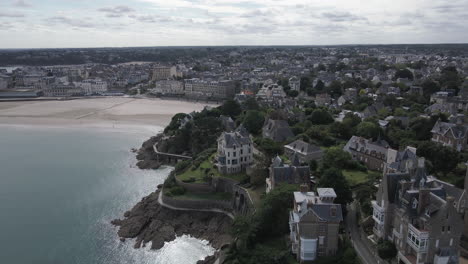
(332, 154)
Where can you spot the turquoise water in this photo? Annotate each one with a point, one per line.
(59, 190)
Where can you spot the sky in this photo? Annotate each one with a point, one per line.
(131, 23)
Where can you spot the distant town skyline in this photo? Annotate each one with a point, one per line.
(133, 23)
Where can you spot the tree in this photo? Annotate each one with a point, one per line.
(305, 83)
(321, 117)
(404, 73)
(333, 178)
(259, 170)
(292, 93)
(251, 104)
(443, 159)
(335, 89)
(231, 108)
(368, 130)
(386, 249)
(253, 121)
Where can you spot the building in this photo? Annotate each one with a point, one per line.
(314, 224)
(169, 87)
(295, 83)
(420, 215)
(277, 130)
(92, 86)
(372, 153)
(450, 134)
(292, 173)
(303, 150)
(5, 81)
(63, 90)
(196, 88)
(235, 151)
(401, 161)
(323, 99)
(163, 73)
(271, 92)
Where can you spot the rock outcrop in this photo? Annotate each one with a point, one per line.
(146, 156)
(148, 222)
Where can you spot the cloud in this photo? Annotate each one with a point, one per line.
(78, 23)
(116, 11)
(342, 16)
(151, 18)
(21, 3)
(5, 14)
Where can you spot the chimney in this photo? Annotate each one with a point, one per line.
(421, 162)
(450, 200)
(304, 188)
(423, 199)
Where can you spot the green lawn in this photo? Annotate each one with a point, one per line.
(206, 168)
(355, 177)
(205, 196)
(199, 173)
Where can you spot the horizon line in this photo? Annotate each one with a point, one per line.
(242, 45)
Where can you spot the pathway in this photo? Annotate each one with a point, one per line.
(366, 254)
(160, 201)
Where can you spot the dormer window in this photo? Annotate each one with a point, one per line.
(415, 203)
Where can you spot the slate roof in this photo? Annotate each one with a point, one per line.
(303, 147)
(236, 139)
(277, 130)
(457, 131)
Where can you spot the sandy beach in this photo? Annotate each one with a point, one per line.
(110, 112)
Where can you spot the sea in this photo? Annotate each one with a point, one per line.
(59, 190)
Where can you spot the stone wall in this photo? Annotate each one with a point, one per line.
(195, 187)
(197, 204)
(240, 203)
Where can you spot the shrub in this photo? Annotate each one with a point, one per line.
(386, 249)
(182, 165)
(176, 190)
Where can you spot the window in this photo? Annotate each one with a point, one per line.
(229, 154)
(234, 154)
(443, 229)
(415, 203)
(448, 228)
(242, 151)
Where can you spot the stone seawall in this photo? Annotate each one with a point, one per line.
(197, 204)
(240, 203)
(195, 187)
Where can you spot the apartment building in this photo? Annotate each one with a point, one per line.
(421, 215)
(197, 88)
(314, 224)
(169, 87)
(163, 73)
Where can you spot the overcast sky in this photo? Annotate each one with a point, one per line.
(118, 23)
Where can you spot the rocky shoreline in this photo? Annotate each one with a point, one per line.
(146, 156)
(148, 221)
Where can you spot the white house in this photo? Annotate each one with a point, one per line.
(235, 151)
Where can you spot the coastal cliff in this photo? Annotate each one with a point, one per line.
(148, 221)
(146, 156)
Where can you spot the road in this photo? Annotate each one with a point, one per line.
(365, 254)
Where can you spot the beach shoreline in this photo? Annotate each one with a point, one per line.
(148, 116)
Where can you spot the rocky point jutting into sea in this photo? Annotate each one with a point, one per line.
(149, 221)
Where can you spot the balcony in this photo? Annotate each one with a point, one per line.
(417, 238)
(378, 213)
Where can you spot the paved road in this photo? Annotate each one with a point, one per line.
(160, 201)
(365, 254)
